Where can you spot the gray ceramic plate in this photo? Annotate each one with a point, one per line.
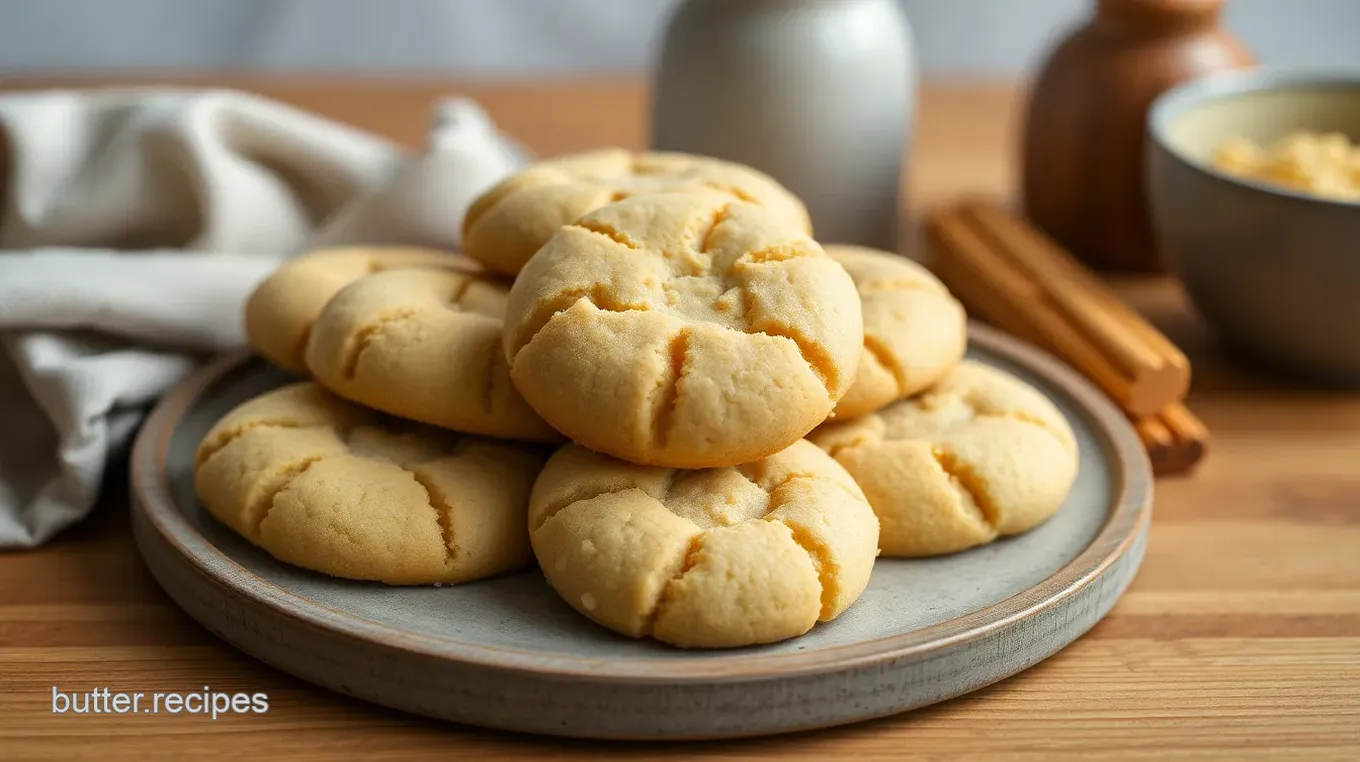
(507, 653)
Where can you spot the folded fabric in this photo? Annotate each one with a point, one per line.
(133, 225)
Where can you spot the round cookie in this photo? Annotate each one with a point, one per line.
(329, 486)
(979, 456)
(713, 558)
(915, 332)
(280, 312)
(512, 220)
(685, 330)
(424, 344)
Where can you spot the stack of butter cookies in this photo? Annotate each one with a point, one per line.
(645, 373)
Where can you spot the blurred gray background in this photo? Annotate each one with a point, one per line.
(516, 38)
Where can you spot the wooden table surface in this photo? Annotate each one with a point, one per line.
(1240, 638)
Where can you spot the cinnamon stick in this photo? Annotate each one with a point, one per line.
(1010, 275)
(1156, 373)
(1023, 306)
(1175, 440)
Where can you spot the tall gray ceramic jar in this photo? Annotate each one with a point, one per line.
(820, 94)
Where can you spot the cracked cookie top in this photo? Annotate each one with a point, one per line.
(506, 225)
(685, 330)
(980, 455)
(709, 558)
(280, 312)
(424, 344)
(915, 332)
(336, 488)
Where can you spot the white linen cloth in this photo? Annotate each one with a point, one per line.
(134, 224)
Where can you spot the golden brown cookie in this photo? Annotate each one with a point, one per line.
(915, 332)
(704, 559)
(979, 456)
(280, 312)
(507, 224)
(330, 486)
(685, 330)
(424, 344)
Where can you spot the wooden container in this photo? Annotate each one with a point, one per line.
(1084, 129)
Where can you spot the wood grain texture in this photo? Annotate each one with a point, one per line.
(1240, 638)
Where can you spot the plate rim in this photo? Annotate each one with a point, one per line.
(1131, 511)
